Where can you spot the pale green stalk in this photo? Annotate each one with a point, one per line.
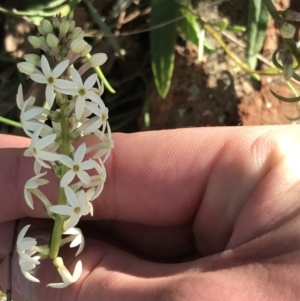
(59, 220)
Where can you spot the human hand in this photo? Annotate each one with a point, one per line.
(187, 214)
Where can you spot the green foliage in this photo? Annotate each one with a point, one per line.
(162, 42)
(258, 18)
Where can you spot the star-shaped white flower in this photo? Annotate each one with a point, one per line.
(78, 207)
(75, 237)
(28, 268)
(30, 115)
(51, 78)
(83, 91)
(101, 111)
(77, 167)
(38, 150)
(31, 188)
(66, 276)
(105, 146)
(26, 248)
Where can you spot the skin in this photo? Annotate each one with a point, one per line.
(187, 214)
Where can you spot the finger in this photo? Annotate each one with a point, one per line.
(172, 174)
(263, 268)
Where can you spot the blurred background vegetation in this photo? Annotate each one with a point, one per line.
(169, 67)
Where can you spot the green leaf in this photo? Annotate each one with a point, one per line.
(189, 26)
(103, 27)
(286, 99)
(162, 40)
(258, 18)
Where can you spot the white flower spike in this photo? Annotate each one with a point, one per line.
(53, 147)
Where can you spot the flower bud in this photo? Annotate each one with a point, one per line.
(41, 30)
(77, 45)
(98, 59)
(64, 27)
(36, 42)
(72, 25)
(32, 58)
(287, 30)
(87, 49)
(77, 33)
(52, 40)
(56, 22)
(47, 26)
(26, 68)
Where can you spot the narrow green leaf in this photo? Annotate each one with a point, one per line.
(103, 27)
(258, 18)
(286, 99)
(162, 41)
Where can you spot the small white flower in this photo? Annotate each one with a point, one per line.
(83, 91)
(51, 78)
(30, 115)
(66, 276)
(75, 237)
(36, 150)
(26, 248)
(77, 167)
(31, 187)
(101, 111)
(105, 146)
(28, 268)
(78, 206)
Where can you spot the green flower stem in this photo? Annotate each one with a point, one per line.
(102, 76)
(272, 10)
(59, 220)
(10, 122)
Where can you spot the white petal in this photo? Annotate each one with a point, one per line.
(31, 113)
(45, 66)
(20, 98)
(22, 234)
(76, 77)
(45, 141)
(28, 199)
(90, 81)
(89, 164)
(49, 156)
(84, 177)
(66, 160)
(79, 154)
(93, 96)
(58, 285)
(64, 84)
(60, 68)
(39, 78)
(50, 95)
(71, 197)
(30, 277)
(61, 209)
(77, 271)
(73, 220)
(79, 108)
(67, 178)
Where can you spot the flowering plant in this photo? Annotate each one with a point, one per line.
(52, 146)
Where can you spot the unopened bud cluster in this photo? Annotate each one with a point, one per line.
(70, 104)
(61, 39)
